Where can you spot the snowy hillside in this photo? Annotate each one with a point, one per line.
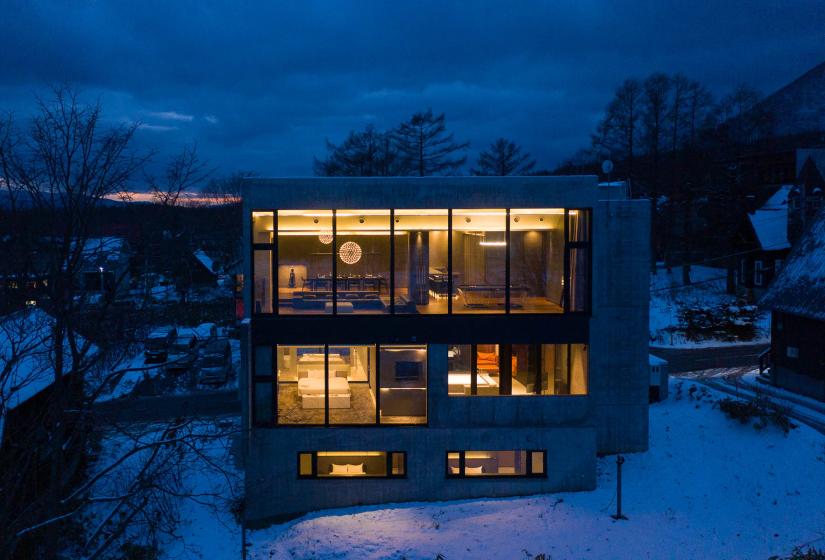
(708, 488)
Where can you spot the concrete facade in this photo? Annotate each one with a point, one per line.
(572, 430)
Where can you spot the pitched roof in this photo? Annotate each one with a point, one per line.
(770, 222)
(205, 260)
(800, 287)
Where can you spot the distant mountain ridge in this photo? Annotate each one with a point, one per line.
(799, 107)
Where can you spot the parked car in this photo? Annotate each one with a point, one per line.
(157, 344)
(215, 363)
(206, 332)
(183, 353)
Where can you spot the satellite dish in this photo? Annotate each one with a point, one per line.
(607, 167)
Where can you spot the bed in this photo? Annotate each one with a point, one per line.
(312, 388)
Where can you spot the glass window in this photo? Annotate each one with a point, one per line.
(579, 225)
(363, 261)
(352, 464)
(579, 278)
(564, 369)
(305, 261)
(459, 370)
(305, 464)
(262, 227)
(421, 267)
(524, 370)
(398, 464)
(262, 295)
(301, 388)
(495, 463)
(403, 398)
(479, 260)
(536, 260)
(352, 384)
(488, 368)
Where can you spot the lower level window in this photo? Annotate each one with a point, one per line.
(496, 463)
(352, 464)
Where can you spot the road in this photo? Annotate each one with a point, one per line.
(166, 407)
(694, 359)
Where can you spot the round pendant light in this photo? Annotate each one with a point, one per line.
(325, 238)
(350, 252)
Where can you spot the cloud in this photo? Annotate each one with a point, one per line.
(171, 116)
(156, 127)
(285, 76)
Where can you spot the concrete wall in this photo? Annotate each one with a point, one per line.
(619, 324)
(611, 418)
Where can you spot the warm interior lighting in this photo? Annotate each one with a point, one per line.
(350, 252)
(493, 243)
(350, 453)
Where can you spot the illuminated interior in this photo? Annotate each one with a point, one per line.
(495, 463)
(362, 247)
(341, 385)
(533, 369)
(351, 464)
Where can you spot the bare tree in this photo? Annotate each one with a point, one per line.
(183, 172)
(427, 147)
(619, 130)
(504, 157)
(65, 164)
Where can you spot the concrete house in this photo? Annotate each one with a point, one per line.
(439, 338)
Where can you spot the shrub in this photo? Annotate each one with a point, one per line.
(721, 321)
(800, 554)
(759, 410)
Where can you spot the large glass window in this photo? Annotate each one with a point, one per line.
(340, 385)
(579, 259)
(495, 463)
(564, 369)
(479, 260)
(421, 262)
(537, 260)
(305, 261)
(262, 295)
(517, 369)
(352, 464)
(262, 228)
(403, 384)
(363, 261)
(352, 384)
(301, 386)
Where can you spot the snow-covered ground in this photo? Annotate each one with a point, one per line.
(709, 487)
(668, 294)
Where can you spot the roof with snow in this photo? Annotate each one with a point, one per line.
(770, 222)
(800, 287)
(205, 260)
(102, 251)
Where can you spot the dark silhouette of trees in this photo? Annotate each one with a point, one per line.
(504, 157)
(426, 146)
(366, 153)
(618, 132)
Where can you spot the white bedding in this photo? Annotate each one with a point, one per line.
(315, 386)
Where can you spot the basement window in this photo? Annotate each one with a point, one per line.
(352, 464)
(483, 464)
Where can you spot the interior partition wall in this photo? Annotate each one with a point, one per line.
(428, 261)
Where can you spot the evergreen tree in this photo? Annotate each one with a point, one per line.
(427, 147)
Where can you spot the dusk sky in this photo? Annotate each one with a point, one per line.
(260, 86)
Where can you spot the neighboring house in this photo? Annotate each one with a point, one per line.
(765, 238)
(204, 271)
(763, 245)
(439, 338)
(105, 265)
(797, 301)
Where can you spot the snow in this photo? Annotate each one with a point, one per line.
(709, 487)
(708, 287)
(770, 222)
(25, 337)
(655, 360)
(205, 260)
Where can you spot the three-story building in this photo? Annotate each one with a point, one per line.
(439, 338)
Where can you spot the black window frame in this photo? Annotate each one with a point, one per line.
(462, 464)
(505, 368)
(388, 468)
(377, 421)
(568, 247)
